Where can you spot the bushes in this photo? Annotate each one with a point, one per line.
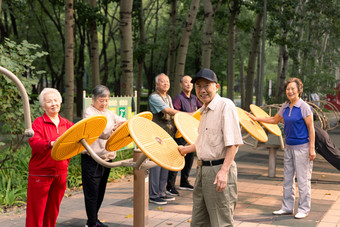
(120, 172)
(14, 174)
(13, 180)
(74, 173)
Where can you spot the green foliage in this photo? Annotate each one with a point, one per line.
(13, 177)
(17, 58)
(322, 83)
(86, 13)
(74, 172)
(10, 196)
(119, 172)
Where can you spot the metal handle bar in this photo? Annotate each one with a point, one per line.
(140, 164)
(27, 113)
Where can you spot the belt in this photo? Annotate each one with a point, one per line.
(210, 163)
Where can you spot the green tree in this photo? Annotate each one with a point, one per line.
(19, 59)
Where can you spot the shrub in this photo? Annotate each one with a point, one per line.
(14, 175)
(13, 180)
(17, 58)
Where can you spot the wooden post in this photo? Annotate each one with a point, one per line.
(272, 160)
(140, 193)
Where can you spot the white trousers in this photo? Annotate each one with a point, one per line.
(296, 161)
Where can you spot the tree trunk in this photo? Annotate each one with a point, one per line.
(209, 15)
(79, 98)
(279, 70)
(184, 43)
(13, 19)
(313, 56)
(242, 82)
(252, 60)
(285, 58)
(80, 69)
(126, 48)
(234, 11)
(304, 68)
(115, 66)
(172, 42)
(258, 66)
(297, 63)
(150, 70)
(94, 47)
(2, 36)
(69, 68)
(104, 49)
(323, 49)
(141, 58)
(259, 97)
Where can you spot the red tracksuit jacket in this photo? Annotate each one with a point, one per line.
(45, 131)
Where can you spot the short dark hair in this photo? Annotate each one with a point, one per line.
(298, 82)
(100, 91)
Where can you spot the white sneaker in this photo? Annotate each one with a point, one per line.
(300, 215)
(281, 212)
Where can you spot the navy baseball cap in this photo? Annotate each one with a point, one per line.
(207, 74)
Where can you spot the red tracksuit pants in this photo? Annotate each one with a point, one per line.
(44, 195)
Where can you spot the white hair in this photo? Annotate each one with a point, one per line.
(46, 91)
(161, 74)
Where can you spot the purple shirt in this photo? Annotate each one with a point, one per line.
(183, 103)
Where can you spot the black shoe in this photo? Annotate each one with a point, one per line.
(168, 198)
(100, 224)
(172, 192)
(187, 187)
(158, 201)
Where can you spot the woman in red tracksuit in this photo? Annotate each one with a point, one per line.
(46, 176)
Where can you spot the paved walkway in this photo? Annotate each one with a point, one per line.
(258, 196)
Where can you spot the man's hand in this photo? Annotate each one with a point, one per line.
(221, 180)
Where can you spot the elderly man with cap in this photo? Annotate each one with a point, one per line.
(219, 136)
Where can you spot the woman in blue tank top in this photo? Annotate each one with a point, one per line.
(299, 152)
